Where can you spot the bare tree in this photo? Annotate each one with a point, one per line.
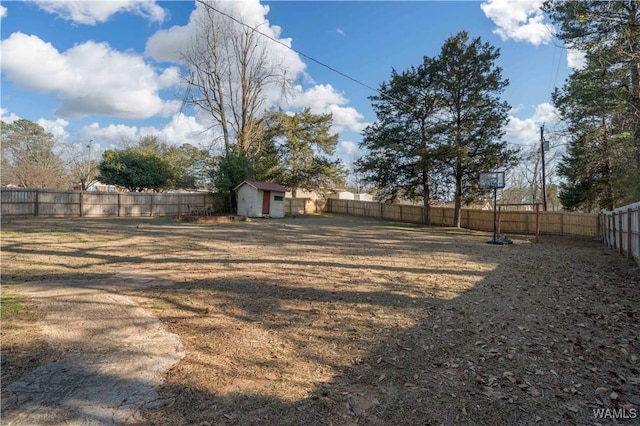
(230, 75)
(83, 168)
(525, 181)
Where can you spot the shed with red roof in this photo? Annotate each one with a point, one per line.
(260, 199)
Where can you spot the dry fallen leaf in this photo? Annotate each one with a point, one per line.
(533, 392)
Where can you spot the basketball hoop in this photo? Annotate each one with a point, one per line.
(493, 180)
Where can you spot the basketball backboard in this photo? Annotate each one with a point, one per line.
(491, 180)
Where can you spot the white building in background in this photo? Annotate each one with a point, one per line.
(342, 195)
(363, 197)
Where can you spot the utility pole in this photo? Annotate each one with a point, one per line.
(544, 181)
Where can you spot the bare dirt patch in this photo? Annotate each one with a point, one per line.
(338, 320)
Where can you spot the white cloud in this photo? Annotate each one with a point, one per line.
(527, 131)
(56, 127)
(93, 12)
(347, 150)
(576, 59)
(111, 134)
(520, 20)
(170, 77)
(340, 31)
(323, 99)
(89, 78)
(8, 118)
(3, 11)
(180, 130)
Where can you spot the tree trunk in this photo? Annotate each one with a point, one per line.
(426, 197)
(458, 203)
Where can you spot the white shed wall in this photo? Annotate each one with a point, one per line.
(276, 208)
(249, 204)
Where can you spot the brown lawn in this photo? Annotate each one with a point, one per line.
(342, 320)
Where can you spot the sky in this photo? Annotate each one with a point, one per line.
(109, 72)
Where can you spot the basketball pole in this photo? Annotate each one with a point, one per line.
(495, 210)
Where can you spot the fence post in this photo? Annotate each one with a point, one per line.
(151, 204)
(537, 222)
(620, 233)
(119, 204)
(36, 206)
(400, 212)
(81, 201)
(599, 225)
(629, 235)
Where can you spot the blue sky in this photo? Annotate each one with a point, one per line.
(102, 71)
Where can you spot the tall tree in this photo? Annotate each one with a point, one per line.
(600, 103)
(230, 74)
(469, 84)
(29, 157)
(304, 143)
(439, 123)
(610, 31)
(400, 146)
(600, 153)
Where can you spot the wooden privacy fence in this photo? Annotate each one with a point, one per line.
(511, 222)
(621, 230)
(56, 203)
(302, 206)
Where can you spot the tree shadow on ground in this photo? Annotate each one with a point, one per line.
(545, 333)
(521, 347)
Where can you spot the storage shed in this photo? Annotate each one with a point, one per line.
(260, 199)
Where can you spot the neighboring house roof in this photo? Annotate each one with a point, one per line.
(262, 186)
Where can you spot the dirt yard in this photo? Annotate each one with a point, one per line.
(321, 320)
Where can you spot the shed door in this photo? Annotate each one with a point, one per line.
(266, 202)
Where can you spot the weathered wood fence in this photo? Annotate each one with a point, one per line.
(302, 206)
(511, 222)
(611, 226)
(57, 203)
(621, 230)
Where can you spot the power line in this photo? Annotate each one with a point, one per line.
(355, 80)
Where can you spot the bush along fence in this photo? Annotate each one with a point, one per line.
(621, 230)
(511, 222)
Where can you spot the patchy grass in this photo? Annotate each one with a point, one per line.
(10, 306)
(338, 320)
(23, 346)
